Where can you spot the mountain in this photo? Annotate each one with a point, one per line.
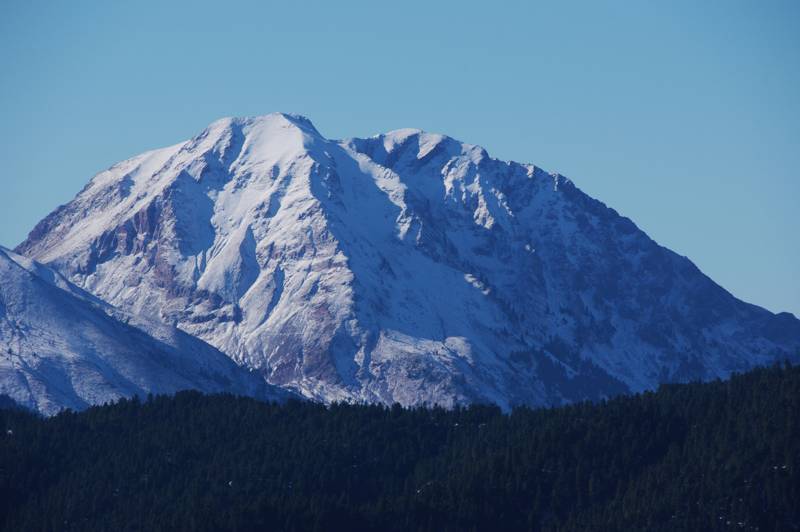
(406, 267)
(63, 348)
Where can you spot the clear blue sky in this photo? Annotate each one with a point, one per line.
(683, 115)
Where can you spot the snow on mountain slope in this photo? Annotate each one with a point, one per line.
(63, 348)
(404, 267)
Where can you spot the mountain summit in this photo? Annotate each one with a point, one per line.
(406, 267)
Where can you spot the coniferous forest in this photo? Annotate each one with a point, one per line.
(712, 456)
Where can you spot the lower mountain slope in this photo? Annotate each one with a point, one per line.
(61, 348)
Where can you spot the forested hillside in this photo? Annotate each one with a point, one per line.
(713, 456)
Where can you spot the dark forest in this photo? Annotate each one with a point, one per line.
(722, 455)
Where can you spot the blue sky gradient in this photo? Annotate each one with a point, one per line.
(684, 116)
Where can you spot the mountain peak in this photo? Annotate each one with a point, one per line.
(272, 121)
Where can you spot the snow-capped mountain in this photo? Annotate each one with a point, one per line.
(405, 267)
(63, 348)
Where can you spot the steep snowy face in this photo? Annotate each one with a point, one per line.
(405, 267)
(63, 348)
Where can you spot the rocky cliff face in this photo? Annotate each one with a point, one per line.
(405, 267)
